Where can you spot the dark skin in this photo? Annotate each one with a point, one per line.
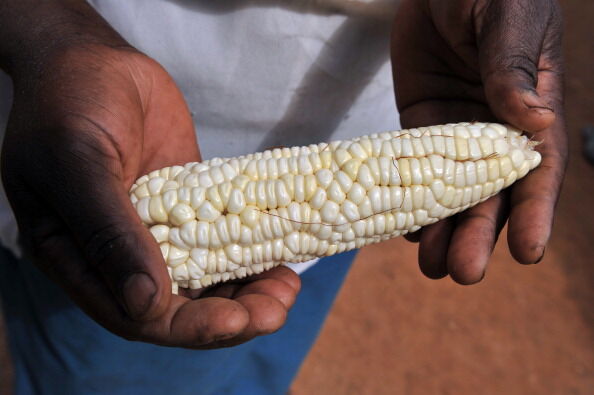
(95, 114)
(496, 60)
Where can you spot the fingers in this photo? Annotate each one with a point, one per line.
(280, 283)
(197, 323)
(517, 45)
(474, 238)
(533, 199)
(511, 37)
(266, 298)
(531, 221)
(267, 315)
(524, 87)
(461, 246)
(433, 248)
(281, 273)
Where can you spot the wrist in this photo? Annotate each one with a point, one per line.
(33, 32)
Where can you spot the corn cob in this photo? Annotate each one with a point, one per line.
(224, 219)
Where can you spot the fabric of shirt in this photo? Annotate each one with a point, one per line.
(261, 73)
(255, 74)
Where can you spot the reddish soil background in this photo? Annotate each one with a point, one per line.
(523, 330)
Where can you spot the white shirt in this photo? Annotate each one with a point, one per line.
(260, 73)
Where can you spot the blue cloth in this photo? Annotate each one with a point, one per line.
(57, 349)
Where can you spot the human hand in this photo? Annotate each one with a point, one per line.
(86, 122)
(485, 60)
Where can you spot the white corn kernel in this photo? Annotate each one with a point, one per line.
(160, 233)
(181, 213)
(224, 219)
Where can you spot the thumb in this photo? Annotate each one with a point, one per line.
(124, 253)
(83, 185)
(510, 37)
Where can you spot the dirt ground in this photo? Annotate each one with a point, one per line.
(523, 330)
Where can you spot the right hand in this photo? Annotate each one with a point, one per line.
(87, 121)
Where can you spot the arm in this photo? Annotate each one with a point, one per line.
(31, 30)
(90, 115)
(500, 60)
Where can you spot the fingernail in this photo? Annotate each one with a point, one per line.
(541, 256)
(138, 292)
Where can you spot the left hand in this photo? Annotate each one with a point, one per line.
(485, 60)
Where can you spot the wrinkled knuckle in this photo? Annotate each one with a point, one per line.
(103, 244)
(519, 61)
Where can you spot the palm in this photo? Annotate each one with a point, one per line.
(149, 123)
